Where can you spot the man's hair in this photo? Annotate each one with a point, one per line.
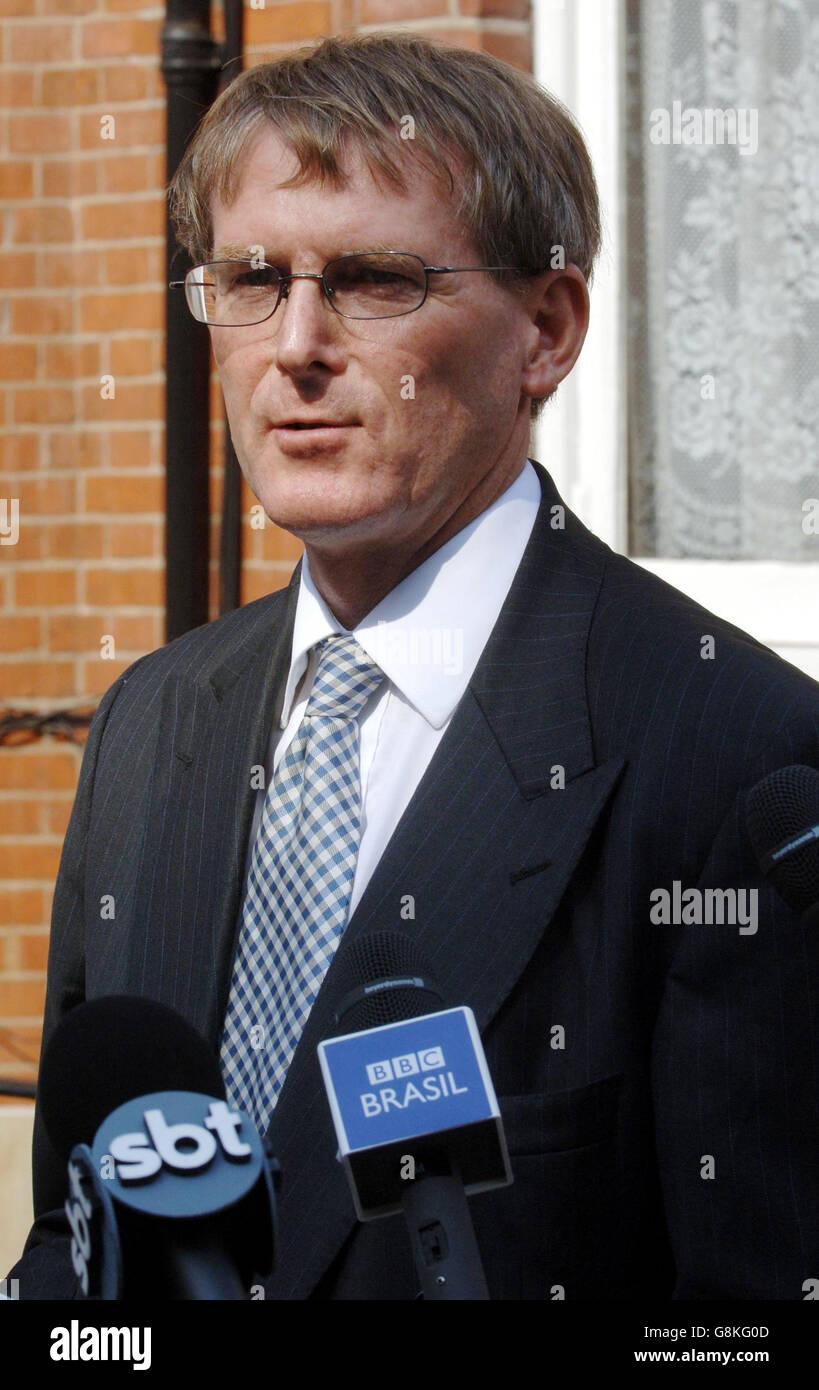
(517, 165)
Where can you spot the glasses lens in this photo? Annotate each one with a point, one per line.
(232, 293)
(376, 285)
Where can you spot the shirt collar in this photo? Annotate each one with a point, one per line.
(428, 633)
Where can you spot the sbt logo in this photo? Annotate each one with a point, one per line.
(79, 1210)
(183, 1147)
(393, 1069)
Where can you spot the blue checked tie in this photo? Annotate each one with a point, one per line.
(301, 876)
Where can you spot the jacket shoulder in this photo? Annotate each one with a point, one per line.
(672, 660)
(212, 644)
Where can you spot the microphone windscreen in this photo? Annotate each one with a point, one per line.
(111, 1050)
(779, 809)
(382, 978)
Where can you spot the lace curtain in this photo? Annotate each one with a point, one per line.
(723, 277)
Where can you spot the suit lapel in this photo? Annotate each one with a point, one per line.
(215, 726)
(483, 853)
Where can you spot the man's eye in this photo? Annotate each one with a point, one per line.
(252, 279)
(370, 276)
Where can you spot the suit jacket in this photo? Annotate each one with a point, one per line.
(658, 1084)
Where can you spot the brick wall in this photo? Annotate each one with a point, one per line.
(82, 271)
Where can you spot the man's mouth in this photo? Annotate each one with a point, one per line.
(311, 424)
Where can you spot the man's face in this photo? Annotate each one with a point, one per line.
(430, 402)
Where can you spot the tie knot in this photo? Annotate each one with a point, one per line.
(345, 679)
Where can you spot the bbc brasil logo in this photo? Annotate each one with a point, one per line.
(396, 1068)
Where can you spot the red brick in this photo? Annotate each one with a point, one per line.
(16, 87)
(76, 7)
(35, 679)
(75, 449)
(40, 43)
(33, 950)
(31, 769)
(16, 179)
(143, 217)
(130, 494)
(70, 360)
(125, 82)
(40, 314)
(121, 38)
(124, 173)
(392, 11)
(19, 634)
(74, 540)
(43, 405)
(45, 588)
(135, 265)
(49, 223)
(30, 540)
(136, 309)
(21, 998)
(70, 87)
(18, 361)
(134, 587)
(136, 540)
(138, 632)
(515, 49)
(18, 269)
(26, 860)
(58, 816)
(21, 817)
(135, 448)
(20, 451)
(131, 128)
(263, 579)
(47, 496)
(98, 675)
(76, 633)
(136, 356)
(70, 178)
(39, 134)
(286, 23)
(71, 267)
(495, 9)
(133, 401)
(21, 906)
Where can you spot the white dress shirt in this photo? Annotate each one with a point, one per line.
(427, 636)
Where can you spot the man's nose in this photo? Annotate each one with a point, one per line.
(306, 329)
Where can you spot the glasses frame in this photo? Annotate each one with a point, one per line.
(285, 281)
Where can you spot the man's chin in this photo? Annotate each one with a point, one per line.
(320, 516)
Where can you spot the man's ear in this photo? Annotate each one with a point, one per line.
(558, 305)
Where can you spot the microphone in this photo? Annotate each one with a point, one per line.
(171, 1190)
(782, 817)
(414, 1108)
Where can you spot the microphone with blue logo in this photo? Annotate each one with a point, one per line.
(171, 1190)
(415, 1112)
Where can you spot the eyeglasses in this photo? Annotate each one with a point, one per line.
(360, 285)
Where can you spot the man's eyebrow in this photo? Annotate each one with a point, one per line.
(234, 251)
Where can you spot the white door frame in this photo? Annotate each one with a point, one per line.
(581, 436)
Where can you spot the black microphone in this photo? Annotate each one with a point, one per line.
(171, 1191)
(414, 1108)
(782, 817)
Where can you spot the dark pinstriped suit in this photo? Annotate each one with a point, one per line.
(532, 904)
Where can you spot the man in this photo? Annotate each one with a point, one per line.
(477, 724)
